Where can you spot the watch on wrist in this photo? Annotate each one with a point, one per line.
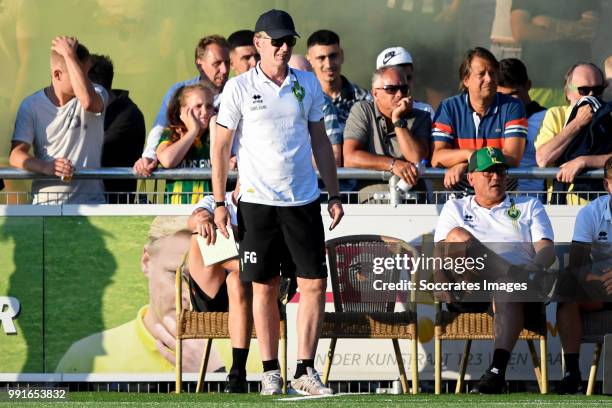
(401, 123)
(219, 204)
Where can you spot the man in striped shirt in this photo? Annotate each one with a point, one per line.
(478, 117)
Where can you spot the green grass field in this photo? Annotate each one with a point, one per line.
(342, 400)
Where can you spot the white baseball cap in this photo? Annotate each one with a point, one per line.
(393, 56)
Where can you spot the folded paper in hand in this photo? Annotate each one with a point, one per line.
(224, 248)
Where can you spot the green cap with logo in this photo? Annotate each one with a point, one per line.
(485, 158)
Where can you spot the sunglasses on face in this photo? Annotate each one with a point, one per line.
(278, 42)
(392, 89)
(501, 172)
(586, 90)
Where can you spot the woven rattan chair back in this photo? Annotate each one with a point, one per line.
(352, 262)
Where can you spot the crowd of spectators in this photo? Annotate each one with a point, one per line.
(80, 122)
(493, 124)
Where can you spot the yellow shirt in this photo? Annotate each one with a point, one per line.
(552, 125)
(130, 348)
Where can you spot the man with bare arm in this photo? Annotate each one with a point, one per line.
(276, 115)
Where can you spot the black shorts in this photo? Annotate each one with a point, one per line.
(275, 238)
(201, 302)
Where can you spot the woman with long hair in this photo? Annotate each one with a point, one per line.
(186, 143)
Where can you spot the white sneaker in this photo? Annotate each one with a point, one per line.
(310, 384)
(271, 383)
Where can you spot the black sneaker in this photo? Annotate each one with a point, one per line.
(236, 385)
(489, 383)
(570, 384)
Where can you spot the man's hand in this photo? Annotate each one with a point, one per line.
(60, 167)
(404, 106)
(144, 166)
(584, 115)
(233, 163)
(336, 212)
(222, 219)
(205, 226)
(605, 279)
(453, 175)
(569, 170)
(165, 335)
(64, 46)
(406, 171)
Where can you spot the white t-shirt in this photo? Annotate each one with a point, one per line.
(594, 226)
(273, 144)
(594, 222)
(499, 226)
(208, 203)
(68, 131)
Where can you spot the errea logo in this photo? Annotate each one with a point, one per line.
(603, 236)
(257, 103)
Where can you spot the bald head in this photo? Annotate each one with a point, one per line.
(300, 62)
(582, 75)
(608, 67)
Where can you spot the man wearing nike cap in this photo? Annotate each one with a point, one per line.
(399, 57)
(276, 115)
(492, 221)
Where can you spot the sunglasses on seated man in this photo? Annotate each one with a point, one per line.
(499, 171)
(392, 89)
(278, 42)
(586, 90)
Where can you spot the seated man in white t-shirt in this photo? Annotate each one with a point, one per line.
(217, 288)
(590, 257)
(65, 124)
(494, 219)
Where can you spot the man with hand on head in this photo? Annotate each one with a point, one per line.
(65, 124)
(275, 113)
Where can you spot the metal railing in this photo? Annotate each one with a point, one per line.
(388, 195)
(205, 174)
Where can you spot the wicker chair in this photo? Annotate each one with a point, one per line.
(595, 325)
(479, 326)
(209, 326)
(361, 312)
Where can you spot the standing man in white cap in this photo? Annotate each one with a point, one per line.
(399, 57)
(276, 115)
